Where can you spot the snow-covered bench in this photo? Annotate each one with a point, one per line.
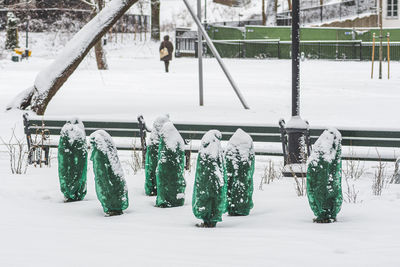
(358, 143)
(43, 133)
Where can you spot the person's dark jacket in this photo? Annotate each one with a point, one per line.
(170, 48)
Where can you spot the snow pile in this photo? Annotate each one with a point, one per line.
(74, 130)
(103, 141)
(242, 143)
(173, 140)
(326, 146)
(296, 122)
(211, 144)
(157, 127)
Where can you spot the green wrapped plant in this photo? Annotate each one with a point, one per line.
(170, 168)
(111, 187)
(209, 190)
(324, 177)
(12, 31)
(150, 185)
(240, 159)
(72, 160)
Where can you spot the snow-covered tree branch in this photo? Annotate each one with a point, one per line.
(50, 79)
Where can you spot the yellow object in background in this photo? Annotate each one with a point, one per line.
(21, 51)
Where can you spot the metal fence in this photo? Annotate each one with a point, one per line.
(334, 50)
(329, 12)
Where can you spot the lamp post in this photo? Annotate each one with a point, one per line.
(296, 128)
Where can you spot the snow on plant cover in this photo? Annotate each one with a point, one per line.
(150, 185)
(111, 187)
(240, 160)
(170, 168)
(209, 190)
(324, 177)
(72, 160)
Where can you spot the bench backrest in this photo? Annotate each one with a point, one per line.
(194, 131)
(116, 129)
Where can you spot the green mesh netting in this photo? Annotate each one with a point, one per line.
(209, 190)
(111, 187)
(240, 160)
(324, 178)
(72, 161)
(170, 169)
(150, 185)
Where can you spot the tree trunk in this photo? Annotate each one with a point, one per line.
(264, 17)
(50, 80)
(101, 59)
(155, 20)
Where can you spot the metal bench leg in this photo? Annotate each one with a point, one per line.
(46, 155)
(187, 160)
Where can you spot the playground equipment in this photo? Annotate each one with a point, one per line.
(216, 55)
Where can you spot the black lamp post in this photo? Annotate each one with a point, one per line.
(296, 128)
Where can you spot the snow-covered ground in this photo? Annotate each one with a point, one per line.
(38, 229)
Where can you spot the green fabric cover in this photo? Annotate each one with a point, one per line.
(150, 185)
(324, 176)
(12, 31)
(72, 160)
(240, 160)
(170, 169)
(111, 187)
(209, 190)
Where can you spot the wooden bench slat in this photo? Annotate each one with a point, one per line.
(226, 128)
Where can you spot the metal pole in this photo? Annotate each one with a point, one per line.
(205, 11)
(388, 53)
(380, 39)
(295, 58)
(27, 25)
(200, 56)
(217, 56)
(296, 128)
(373, 55)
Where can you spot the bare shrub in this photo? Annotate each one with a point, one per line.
(269, 175)
(380, 179)
(18, 151)
(299, 175)
(396, 175)
(354, 169)
(135, 160)
(351, 193)
(300, 186)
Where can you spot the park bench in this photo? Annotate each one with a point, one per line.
(358, 144)
(43, 134)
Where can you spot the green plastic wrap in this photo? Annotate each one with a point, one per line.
(324, 177)
(209, 190)
(111, 187)
(240, 159)
(170, 169)
(150, 185)
(72, 160)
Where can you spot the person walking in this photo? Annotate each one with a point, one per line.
(166, 49)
